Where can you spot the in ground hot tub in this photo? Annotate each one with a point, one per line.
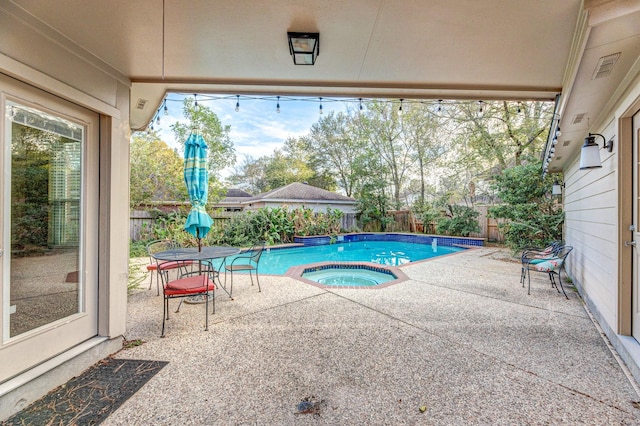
(348, 275)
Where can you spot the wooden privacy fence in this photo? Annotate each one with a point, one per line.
(404, 221)
(142, 220)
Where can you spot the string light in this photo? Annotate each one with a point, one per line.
(435, 104)
(519, 107)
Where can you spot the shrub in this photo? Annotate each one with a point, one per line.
(533, 216)
(459, 221)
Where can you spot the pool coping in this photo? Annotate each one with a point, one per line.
(296, 272)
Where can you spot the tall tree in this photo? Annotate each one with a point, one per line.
(156, 171)
(383, 127)
(202, 119)
(503, 133)
(337, 149)
(420, 129)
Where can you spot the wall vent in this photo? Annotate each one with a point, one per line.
(141, 103)
(565, 143)
(577, 119)
(605, 65)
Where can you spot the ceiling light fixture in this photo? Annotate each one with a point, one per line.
(304, 47)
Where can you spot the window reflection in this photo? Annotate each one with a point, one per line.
(46, 158)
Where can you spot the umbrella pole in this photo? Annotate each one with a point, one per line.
(199, 250)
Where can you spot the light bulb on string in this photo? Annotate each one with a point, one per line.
(480, 106)
(360, 100)
(400, 109)
(320, 109)
(158, 120)
(166, 110)
(278, 105)
(519, 107)
(439, 105)
(237, 103)
(195, 103)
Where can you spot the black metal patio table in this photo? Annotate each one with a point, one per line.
(204, 254)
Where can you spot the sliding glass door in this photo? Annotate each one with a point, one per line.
(49, 229)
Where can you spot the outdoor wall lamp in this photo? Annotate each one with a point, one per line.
(556, 189)
(590, 153)
(304, 47)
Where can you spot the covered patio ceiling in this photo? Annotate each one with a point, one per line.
(437, 49)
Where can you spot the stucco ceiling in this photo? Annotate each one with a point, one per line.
(439, 49)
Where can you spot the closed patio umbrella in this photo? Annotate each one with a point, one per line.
(196, 177)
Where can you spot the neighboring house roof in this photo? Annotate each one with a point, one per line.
(298, 192)
(235, 196)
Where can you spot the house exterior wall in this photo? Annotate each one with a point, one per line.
(31, 54)
(598, 215)
(591, 225)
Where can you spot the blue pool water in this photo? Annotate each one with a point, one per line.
(336, 276)
(390, 253)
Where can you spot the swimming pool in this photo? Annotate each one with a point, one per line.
(277, 261)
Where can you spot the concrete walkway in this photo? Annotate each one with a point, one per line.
(461, 338)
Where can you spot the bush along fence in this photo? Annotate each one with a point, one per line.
(280, 225)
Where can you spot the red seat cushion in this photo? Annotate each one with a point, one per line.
(168, 265)
(189, 285)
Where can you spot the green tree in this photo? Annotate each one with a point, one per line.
(458, 220)
(205, 121)
(287, 165)
(383, 128)
(156, 171)
(337, 150)
(249, 175)
(420, 129)
(532, 216)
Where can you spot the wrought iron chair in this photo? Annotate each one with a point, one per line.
(553, 266)
(194, 283)
(157, 268)
(247, 260)
(536, 255)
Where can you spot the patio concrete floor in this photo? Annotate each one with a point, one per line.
(461, 337)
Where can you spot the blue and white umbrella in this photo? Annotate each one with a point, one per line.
(196, 177)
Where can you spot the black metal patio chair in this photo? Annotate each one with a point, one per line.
(246, 261)
(553, 267)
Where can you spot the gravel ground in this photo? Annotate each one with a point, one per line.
(459, 343)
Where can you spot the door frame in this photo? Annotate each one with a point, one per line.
(625, 218)
(83, 325)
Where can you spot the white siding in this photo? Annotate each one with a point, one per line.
(591, 228)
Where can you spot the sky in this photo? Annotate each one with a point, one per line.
(256, 128)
